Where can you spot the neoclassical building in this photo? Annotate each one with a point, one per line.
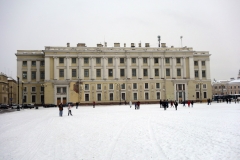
(113, 75)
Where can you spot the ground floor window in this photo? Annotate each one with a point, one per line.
(24, 99)
(158, 95)
(146, 96)
(33, 98)
(99, 97)
(134, 96)
(42, 98)
(123, 96)
(204, 94)
(86, 97)
(111, 96)
(197, 95)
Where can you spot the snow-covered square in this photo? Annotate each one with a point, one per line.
(122, 133)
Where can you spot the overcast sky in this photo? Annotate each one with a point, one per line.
(206, 25)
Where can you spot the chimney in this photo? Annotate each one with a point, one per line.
(99, 45)
(124, 44)
(68, 44)
(116, 44)
(147, 45)
(105, 44)
(163, 45)
(81, 45)
(139, 44)
(132, 45)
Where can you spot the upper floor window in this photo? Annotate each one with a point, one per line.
(178, 60)
(24, 63)
(98, 72)
(61, 72)
(196, 73)
(110, 60)
(146, 85)
(99, 87)
(121, 60)
(195, 63)
(33, 74)
(144, 60)
(42, 74)
(98, 60)
(133, 60)
(155, 60)
(42, 63)
(122, 72)
(33, 89)
(203, 63)
(74, 60)
(156, 72)
(24, 74)
(74, 73)
(134, 72)
(178, 72)
(86, 60)
(110, 72)
(158, 85)
(86, 72)
(86, 87)
(134, 85)
(203, 73)
(110, 86)
(33, 63)
(204, 86)
(61, 60)
(145, 72)
(167, 60)
(167, 72)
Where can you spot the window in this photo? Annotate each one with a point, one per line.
(156, 72)
(178, 72)
(144, 60)
(110, 86)
(99, 97)
(110, 72)
(145, 73)
(195, 63)
(134, 96)
(204, 94)
(155, 60)
(86, 97)
(167, 60)
(33, 63)
(24, 63)
(42, 99)
(33, 98)
(178, 60)
(33, 89)
(204, 86)
(24, 75)
(42, 75)
(197, 86)
(146, 85)
(167, 72)
(197, 95)
(158, 95)
(24, 99)
(42, 88)
(110, 60)
(86, 87)
(86, 72)
(61, 60)
(203, 73)
(134, 85)
(122, 72)
(99, 87)
(133, 60)
(74, 73)
(196, 73)
(157, 85)
(121, 60)
(25, 89)
(74, 60)
(203, 63)
(61, 72)
(146, 96)
(111, 96)
(98, 60)
(134, 72)
(98, 72)
(123, 86)
(86, 60)
(42, 63)
(123, 96)
(64, 90)
(33, 74)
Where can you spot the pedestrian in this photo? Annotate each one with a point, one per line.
(69, 109)
(171, 103)
(93, 104)
(77, 105)
(125, 102)
(164, 104)
(183, 103)
(188, 103)
(130, 104)
(135, 105)
(176, 104)
(160, 102)
(192, 103)
(60, 106)
(138, 105)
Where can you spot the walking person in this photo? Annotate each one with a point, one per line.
(183, 103)
(176, 104)
(164, 104)
(135, 105)
(77, 105)
(160, 102)
(192, 103)
(130, 104)
(138, 105)
(93, 104)
(171, 103)
(188, 103)
(69, 109)
(60, 106)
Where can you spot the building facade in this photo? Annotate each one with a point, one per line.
(112, 75)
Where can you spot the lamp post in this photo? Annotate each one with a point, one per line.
(22, 94)
(18, 108)
(11, 96)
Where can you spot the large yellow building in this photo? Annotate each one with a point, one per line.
(112, 75)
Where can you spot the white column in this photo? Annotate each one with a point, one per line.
(128, 68)
(200, 69)
(151, 66)
(93, 76)
(140, 71)
(38, 71)
(105, 72)
(162, 67)
(184, 67)
(174, 67)
(68, 70)
(47, 68)
(208, 69)
(191, 67)
(116, 68)
(55, 70)
(29, 73)
(80, 72)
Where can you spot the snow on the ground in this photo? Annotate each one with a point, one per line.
(122, 133)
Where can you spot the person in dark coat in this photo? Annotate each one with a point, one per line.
(160, 102)
(138, 105)
(60, 106)
(192, 103)
(164, 104)
(183, 103)
(93, 104)
(77, 105)
(176, 104)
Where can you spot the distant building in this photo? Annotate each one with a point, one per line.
(111, 75)
(8, 87)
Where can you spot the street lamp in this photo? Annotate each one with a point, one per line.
(18, 108)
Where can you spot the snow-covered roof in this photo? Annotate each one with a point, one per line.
(235, 81)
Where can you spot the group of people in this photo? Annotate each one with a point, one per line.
(228, 100)
(60, 106)
(165, 104)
